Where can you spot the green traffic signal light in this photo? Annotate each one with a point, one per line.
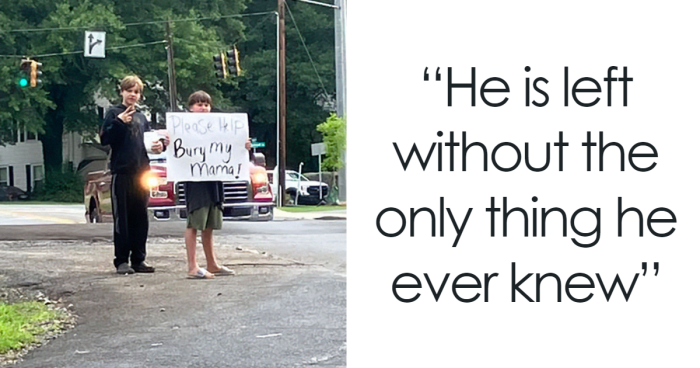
(24, 67)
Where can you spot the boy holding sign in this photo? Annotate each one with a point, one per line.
(204, 201)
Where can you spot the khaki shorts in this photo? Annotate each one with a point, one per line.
(211, 217)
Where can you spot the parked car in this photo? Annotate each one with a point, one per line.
(298, 183)
(10, 193)
(246, 199)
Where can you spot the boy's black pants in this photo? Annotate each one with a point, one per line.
(129, 208)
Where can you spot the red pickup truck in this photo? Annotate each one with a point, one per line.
(246, 199)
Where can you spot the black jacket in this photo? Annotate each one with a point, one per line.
(129, 154)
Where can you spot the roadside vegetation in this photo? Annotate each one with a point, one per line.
(23, 324)
(60, 186)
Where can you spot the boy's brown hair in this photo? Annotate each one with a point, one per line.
(130, 81)
(197, 97)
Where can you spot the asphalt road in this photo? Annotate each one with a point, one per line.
(41, 214)
(286, 307)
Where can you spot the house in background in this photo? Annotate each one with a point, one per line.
(22, 163)
(80, 151)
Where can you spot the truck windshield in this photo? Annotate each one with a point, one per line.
(295, 176)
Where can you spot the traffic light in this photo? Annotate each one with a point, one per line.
(220, 65)
(30, 72)
(233, 65)
(25, 74)
(35, 73)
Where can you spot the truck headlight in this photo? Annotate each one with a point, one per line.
(150, 180)
(153, 182)
(259, 178)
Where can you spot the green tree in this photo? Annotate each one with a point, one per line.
(66, 99)
(19, 107)
(256, 92)
(71, 82)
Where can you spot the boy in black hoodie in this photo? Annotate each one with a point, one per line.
(123, 130)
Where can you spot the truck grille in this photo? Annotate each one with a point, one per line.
(234, 192)
(313, 190)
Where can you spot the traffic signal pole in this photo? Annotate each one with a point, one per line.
(282, 105)
(277, 152)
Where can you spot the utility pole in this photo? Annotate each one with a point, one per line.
(340, 91)
(340, 101)
(171, 69)
(340, 57)
(282, 113)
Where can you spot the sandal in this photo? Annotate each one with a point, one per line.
(224, 271)
(200, 274)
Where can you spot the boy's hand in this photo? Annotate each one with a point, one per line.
(166, 136)
(157, 147)
(248, 144)
(126, 115)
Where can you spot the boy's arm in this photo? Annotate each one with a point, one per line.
(166, 137)
(248, 146)
(152, 143)
(156, 141)
(113, 129)
(155, 145)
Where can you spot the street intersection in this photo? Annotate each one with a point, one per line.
(285, 307)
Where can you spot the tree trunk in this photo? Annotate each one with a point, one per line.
(52, 142)
(52, 139)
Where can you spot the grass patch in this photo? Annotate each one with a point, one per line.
(22, 323)
(311, 208)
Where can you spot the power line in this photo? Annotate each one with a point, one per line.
(252, 29)
(140, 23)
(82, 51)
(135, 45)
(307, 49)
(240, 15)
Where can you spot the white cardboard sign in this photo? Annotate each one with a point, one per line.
(207, 146)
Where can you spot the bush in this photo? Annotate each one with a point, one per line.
(334, 133)
(60, 186)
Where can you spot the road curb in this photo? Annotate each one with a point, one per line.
(320, 215)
